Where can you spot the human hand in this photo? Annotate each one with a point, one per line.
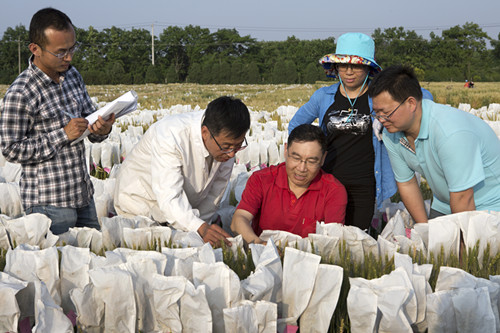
(213, 234)
(75, 128)
(259, 241)
(101, 126)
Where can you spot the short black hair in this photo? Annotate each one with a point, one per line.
(47, 18)
(307, 133)
(227, 114)
(399, 81)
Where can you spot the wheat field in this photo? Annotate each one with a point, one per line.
(269, 97)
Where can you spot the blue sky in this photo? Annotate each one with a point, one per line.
(267, 19)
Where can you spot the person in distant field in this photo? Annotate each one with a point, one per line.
(356, 154)
(180, 169)
(293, 195)
(42, 112)
(456, 152)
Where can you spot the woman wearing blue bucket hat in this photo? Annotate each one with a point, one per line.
(356, 155)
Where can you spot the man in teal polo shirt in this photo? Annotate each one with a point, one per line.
(456, 152)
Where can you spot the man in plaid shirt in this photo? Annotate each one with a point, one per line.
(43, 111)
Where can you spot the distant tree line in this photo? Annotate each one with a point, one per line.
(194, 54)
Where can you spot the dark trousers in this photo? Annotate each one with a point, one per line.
(360, 205)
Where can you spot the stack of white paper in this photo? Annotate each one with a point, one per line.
(124, 104)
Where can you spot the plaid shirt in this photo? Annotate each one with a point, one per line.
(34, 113)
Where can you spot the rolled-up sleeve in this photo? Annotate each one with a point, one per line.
(402, 172)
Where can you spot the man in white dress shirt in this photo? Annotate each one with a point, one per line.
(180, 169)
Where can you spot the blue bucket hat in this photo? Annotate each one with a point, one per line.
(352, 48)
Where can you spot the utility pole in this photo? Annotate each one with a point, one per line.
(152, 44)
(19, 54)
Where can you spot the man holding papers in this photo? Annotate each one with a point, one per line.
(43, 111)
(180, 169)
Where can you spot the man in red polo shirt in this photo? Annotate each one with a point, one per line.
(293, 195)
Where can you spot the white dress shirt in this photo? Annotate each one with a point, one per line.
(166, 177)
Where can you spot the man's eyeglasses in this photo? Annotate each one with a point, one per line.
(355, 67)
(387, 117)
(236, 148)
(312, 163)
(63, 55)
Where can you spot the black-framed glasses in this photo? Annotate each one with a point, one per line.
(311, 163)
(236, 148)
(63, 55)
(387, 117)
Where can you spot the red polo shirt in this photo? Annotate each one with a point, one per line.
(269, 199)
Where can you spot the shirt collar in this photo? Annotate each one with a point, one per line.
(332, 90)
(423, 133)
(42, 76)
(198, 137)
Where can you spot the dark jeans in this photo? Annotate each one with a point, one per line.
(64, 218)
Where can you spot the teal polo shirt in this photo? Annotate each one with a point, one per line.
(454, 151)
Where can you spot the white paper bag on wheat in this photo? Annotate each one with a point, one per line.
(241, 319)
(184, 267)
(142, 271)
(9, 309)
(473, 310)
(266, 281)
(480, 227)
(137, 238)
(363, 318)
(440, 314)
(28, 263)
(49, 317)
(453, 279)
(32, 229)
(195, 310)
(259, 317)
(4, 238)
(167, 291)
(444, 232)
(326, 246)
(319, 311)
(222, 287)
(420, 284)
(74, 272)
(395, 300)
(114, 284)
(128, 255)
(10, 204)
(297, 292)
(89, 306)
(358, 242)
(284, 238)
